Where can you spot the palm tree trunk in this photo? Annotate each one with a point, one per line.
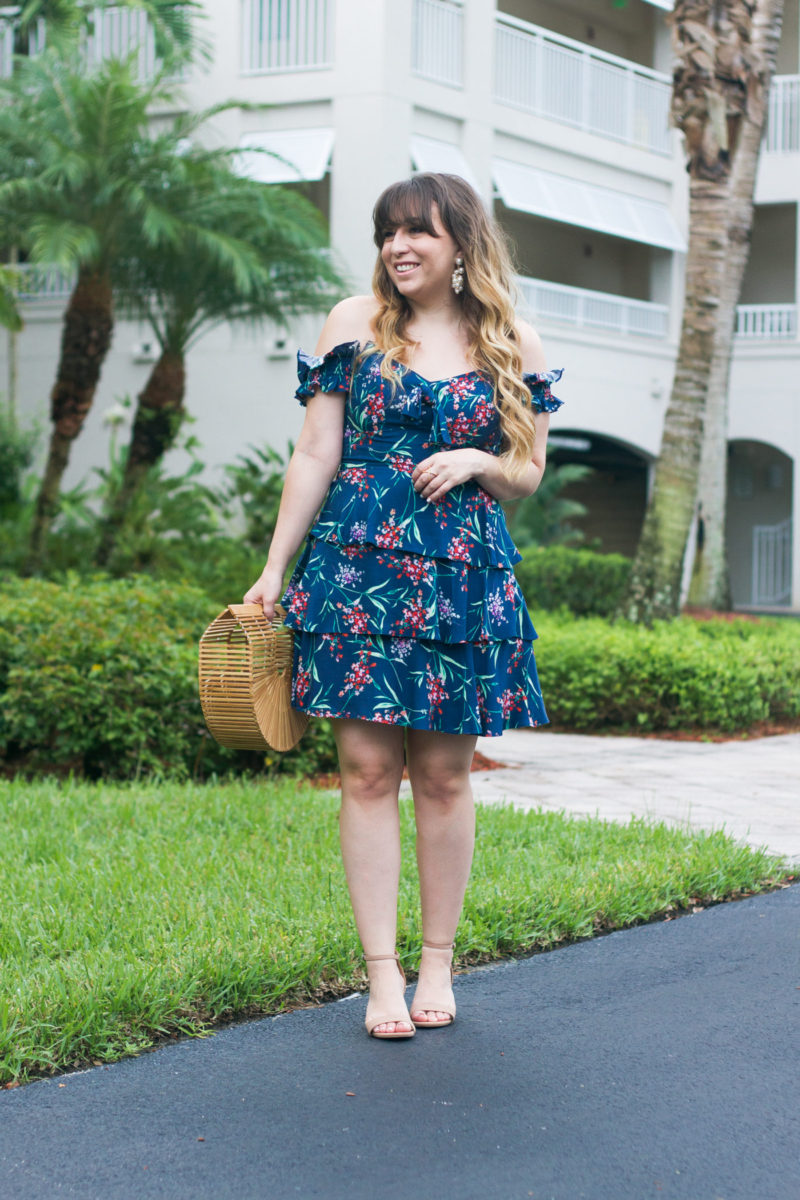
(721, 71)
(654, 588)
(710, 585)
(85, 341)
(159, 414)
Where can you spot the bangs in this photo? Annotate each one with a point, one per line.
(409, 202)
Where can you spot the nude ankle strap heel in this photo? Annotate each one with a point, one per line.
(374, 1019)
(428, 1002)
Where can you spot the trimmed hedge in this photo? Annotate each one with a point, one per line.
(715, 675)
(99, 677)
(583, 581)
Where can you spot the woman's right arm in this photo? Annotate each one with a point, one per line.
(315, 459)
(308, 477)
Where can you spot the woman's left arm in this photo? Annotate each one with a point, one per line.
(436, 475)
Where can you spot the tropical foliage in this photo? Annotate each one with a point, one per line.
(148, 214)
(250, 254)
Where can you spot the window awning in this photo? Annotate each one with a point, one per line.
(429, 154)
(302, 154)
(559, 198)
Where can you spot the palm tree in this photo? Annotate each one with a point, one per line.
(270, 264)
(726, 53)
(86, 178)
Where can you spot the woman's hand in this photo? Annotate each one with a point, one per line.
(436, 475)
(266, 591)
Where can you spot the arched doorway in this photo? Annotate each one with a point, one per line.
(615, 494)
(758, 524)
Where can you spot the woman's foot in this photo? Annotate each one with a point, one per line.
(434, 1004)
(387, 1014)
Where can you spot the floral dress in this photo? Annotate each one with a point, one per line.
(408, 612)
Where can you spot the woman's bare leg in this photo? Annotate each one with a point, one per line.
(438, 767)
(371, 766)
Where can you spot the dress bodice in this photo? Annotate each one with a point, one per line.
(388, 429)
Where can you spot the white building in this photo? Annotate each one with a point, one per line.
(558, 111)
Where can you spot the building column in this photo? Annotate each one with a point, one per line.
(372, 122)
(479, 51)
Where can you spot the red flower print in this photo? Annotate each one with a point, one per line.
(459, 428)
(416, 568)
(413, 618)
(356, 476)
(389, 533)
(390, 718)
(334, 644)
(375, 409)
(354, 617)
(436, 690)
(512, 701)
(300, 683)
(516, 655)
(359, 675)
(510, 587)
(458, 548)
(299, 602)
(402, 463)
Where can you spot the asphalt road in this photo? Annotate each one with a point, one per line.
(657, 1062)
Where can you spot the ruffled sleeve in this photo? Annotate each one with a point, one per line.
(542, 399)
(331, 372)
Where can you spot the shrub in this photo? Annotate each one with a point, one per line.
(714, 675)
(583, 581)
(99, 677)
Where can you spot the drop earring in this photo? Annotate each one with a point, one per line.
(457, 278)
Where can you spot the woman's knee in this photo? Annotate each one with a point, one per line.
(370, 764)
(441, 787)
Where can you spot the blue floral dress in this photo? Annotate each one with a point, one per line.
(408, 612)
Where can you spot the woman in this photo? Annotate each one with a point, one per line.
(411, 632)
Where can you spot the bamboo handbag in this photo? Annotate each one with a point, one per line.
(245, 675)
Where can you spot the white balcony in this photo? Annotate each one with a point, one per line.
(561, 79)
(286, 35)
(115, 33)
(783, 125)
(121, 33)
(766, 321)
(586, 309)
(37, 283)
(437, 41)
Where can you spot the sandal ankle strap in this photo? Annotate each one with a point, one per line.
(439, 945)
(381, 957)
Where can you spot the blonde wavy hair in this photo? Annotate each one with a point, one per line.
(486, 302)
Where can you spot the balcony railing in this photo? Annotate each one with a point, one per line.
(594, 310)
(766, 321)
(564, 80)
(783, 126)
(42, 283)
(115, 33)
(286, 35)
(118, 33)
(772, 564)
(437, 41)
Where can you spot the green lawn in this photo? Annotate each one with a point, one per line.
(135, 912)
